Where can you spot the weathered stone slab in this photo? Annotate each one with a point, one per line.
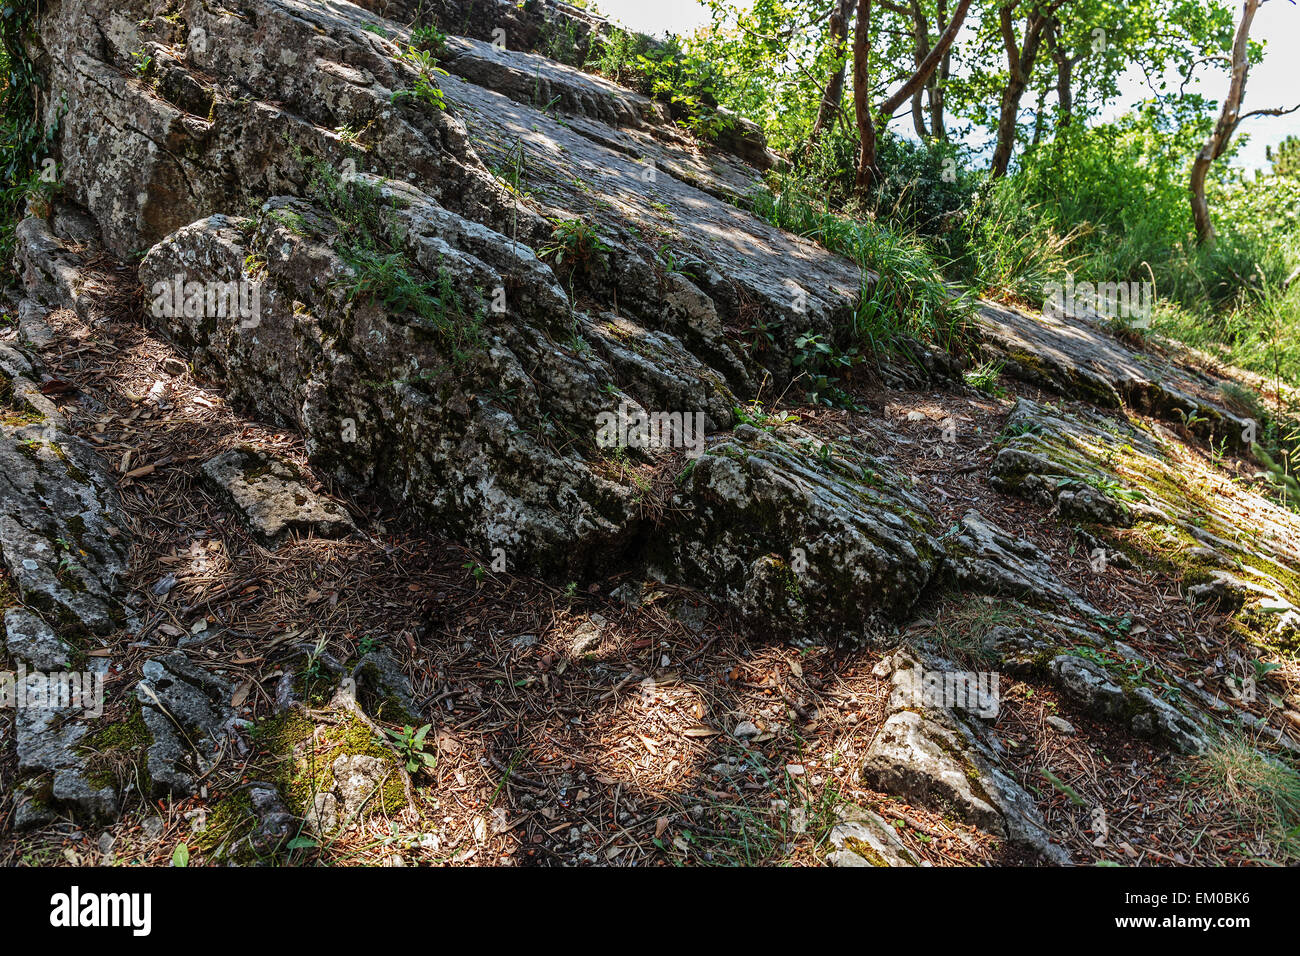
(270, 497)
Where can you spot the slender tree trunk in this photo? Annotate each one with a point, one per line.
(921, 29)
(938, 128)
(1064, 77)
(918, 116)
(929, 64)
(1227, 124)
(1020, 67)
(866, 126)
(1038, 117)
(834, 92)
(862, 110)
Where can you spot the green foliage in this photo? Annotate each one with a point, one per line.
(923, 187)
(24, 142)
(429, 39)
(382, 272)
(1004, 249)
(409, 744)
(665, 71)
(1285, 157)
(425, 89)
(561, 43)
(984, 377)
(904, 293)
(817, 360)
(575, 241)
(386, 278)
(617, 51)
(769, 62)
(1280, 473)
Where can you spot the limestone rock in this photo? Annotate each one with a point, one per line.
(929, 756)
(384, 690)
(270, 497)
(866, 839)
(986, 558)
(30, 639)
(58, 530)
(800, 534)
(1074, 355)
(186, 710)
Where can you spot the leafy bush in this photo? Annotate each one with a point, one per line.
(24, 142)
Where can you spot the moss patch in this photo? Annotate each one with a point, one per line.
(299, 758)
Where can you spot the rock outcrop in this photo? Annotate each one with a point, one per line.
(518, 306)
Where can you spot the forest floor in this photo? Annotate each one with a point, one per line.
(576, 726)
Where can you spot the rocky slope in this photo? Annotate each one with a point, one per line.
(306, 301)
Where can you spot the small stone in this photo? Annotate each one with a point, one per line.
(586, 640)
(163, 585)
(746, 729)
(1061, 724)
(523, 642)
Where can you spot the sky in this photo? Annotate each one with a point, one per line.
(1273, 83)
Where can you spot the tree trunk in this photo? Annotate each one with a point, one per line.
(938, 128)
(834, 92)
(1038, 117)
(921, 29)
(1228, 118)
(1020, 67)
(866, 128)
(927, 67)
(1064, 77)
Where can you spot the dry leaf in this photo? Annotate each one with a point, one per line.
(700, 731)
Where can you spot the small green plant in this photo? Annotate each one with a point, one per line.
(753, 413)
(575, 241)
(409, 744)
(426, 87)
(143, 61)
(984, 377)
(430, 39)
(315, 669)
(562, 43)
(616, 51)
(671, 263)
(1278, 472)
(387, 278)
(816, 358)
